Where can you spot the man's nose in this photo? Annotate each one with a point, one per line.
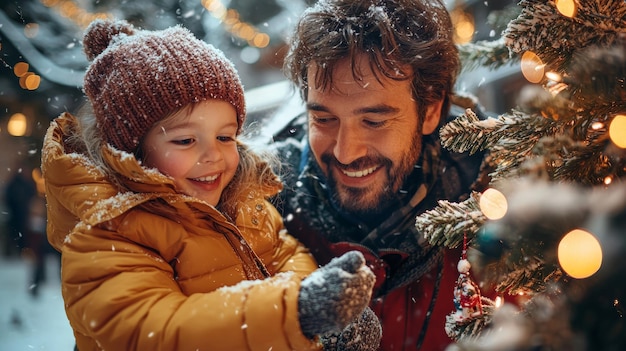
(349, 145)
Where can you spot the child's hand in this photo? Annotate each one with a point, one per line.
(332, 296)
(363, 334)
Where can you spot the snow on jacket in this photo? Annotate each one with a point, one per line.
(138, 280)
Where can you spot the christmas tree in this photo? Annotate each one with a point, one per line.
(549, 231)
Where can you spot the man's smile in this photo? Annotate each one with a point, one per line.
(359, 173)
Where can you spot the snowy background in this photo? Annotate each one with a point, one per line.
(28, 322)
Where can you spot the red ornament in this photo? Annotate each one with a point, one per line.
(467, 299)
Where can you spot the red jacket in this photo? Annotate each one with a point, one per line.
(413, 317)
(415, 281)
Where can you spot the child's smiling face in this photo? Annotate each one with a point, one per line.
(197, 148)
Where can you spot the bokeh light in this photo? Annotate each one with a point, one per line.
(31, 30)
(17, 124)
(493, 204)
(617, 131)
(532, 67)
(32, 81)
(580, 254)
(261, 40)
(20, 69)
(567, 8)
(464, 26)
(233, 24)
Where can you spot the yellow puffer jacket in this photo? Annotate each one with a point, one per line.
(134, 279)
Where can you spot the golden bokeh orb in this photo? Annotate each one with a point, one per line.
(567, 8)
(580, 254)
(532, 67)
(617, 131)
(493, 204)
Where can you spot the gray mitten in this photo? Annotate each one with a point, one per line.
(363, 334)
(332, 296)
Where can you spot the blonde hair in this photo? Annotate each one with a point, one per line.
(255, 175)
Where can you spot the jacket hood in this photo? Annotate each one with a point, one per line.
(73, 183)
(77, 190)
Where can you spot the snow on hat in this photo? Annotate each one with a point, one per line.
(138, 77)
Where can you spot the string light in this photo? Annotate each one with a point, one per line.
(493, 204)
(554, 76)
(532, 67)
(580, 254)
(17, 124)
(597, 125)
(28, 80)
(20, 68)
(617, 131)
(463, 26)
(73, 12)
(229, 18)
(232, 24)
(499, 301)
(567, 8)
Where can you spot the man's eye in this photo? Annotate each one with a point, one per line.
(321, 120)
(375, 124)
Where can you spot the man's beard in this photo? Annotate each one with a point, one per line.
(369, 201)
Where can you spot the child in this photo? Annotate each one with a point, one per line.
(160, 213)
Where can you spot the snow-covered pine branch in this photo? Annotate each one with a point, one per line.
(485, 53)
(449, 221)
(468, 133)
(542, 29)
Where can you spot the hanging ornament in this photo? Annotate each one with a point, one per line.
(473, 312)
(467, 299)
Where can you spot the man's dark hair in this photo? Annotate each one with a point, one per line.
(393, 34)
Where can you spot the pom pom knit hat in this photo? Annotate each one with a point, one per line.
(138, 77)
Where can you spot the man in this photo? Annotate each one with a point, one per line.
(18, 194)
(377, 78)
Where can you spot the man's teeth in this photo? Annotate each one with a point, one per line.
(206, 179)
(358, 174)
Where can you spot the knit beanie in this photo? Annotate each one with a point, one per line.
(138, 77)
